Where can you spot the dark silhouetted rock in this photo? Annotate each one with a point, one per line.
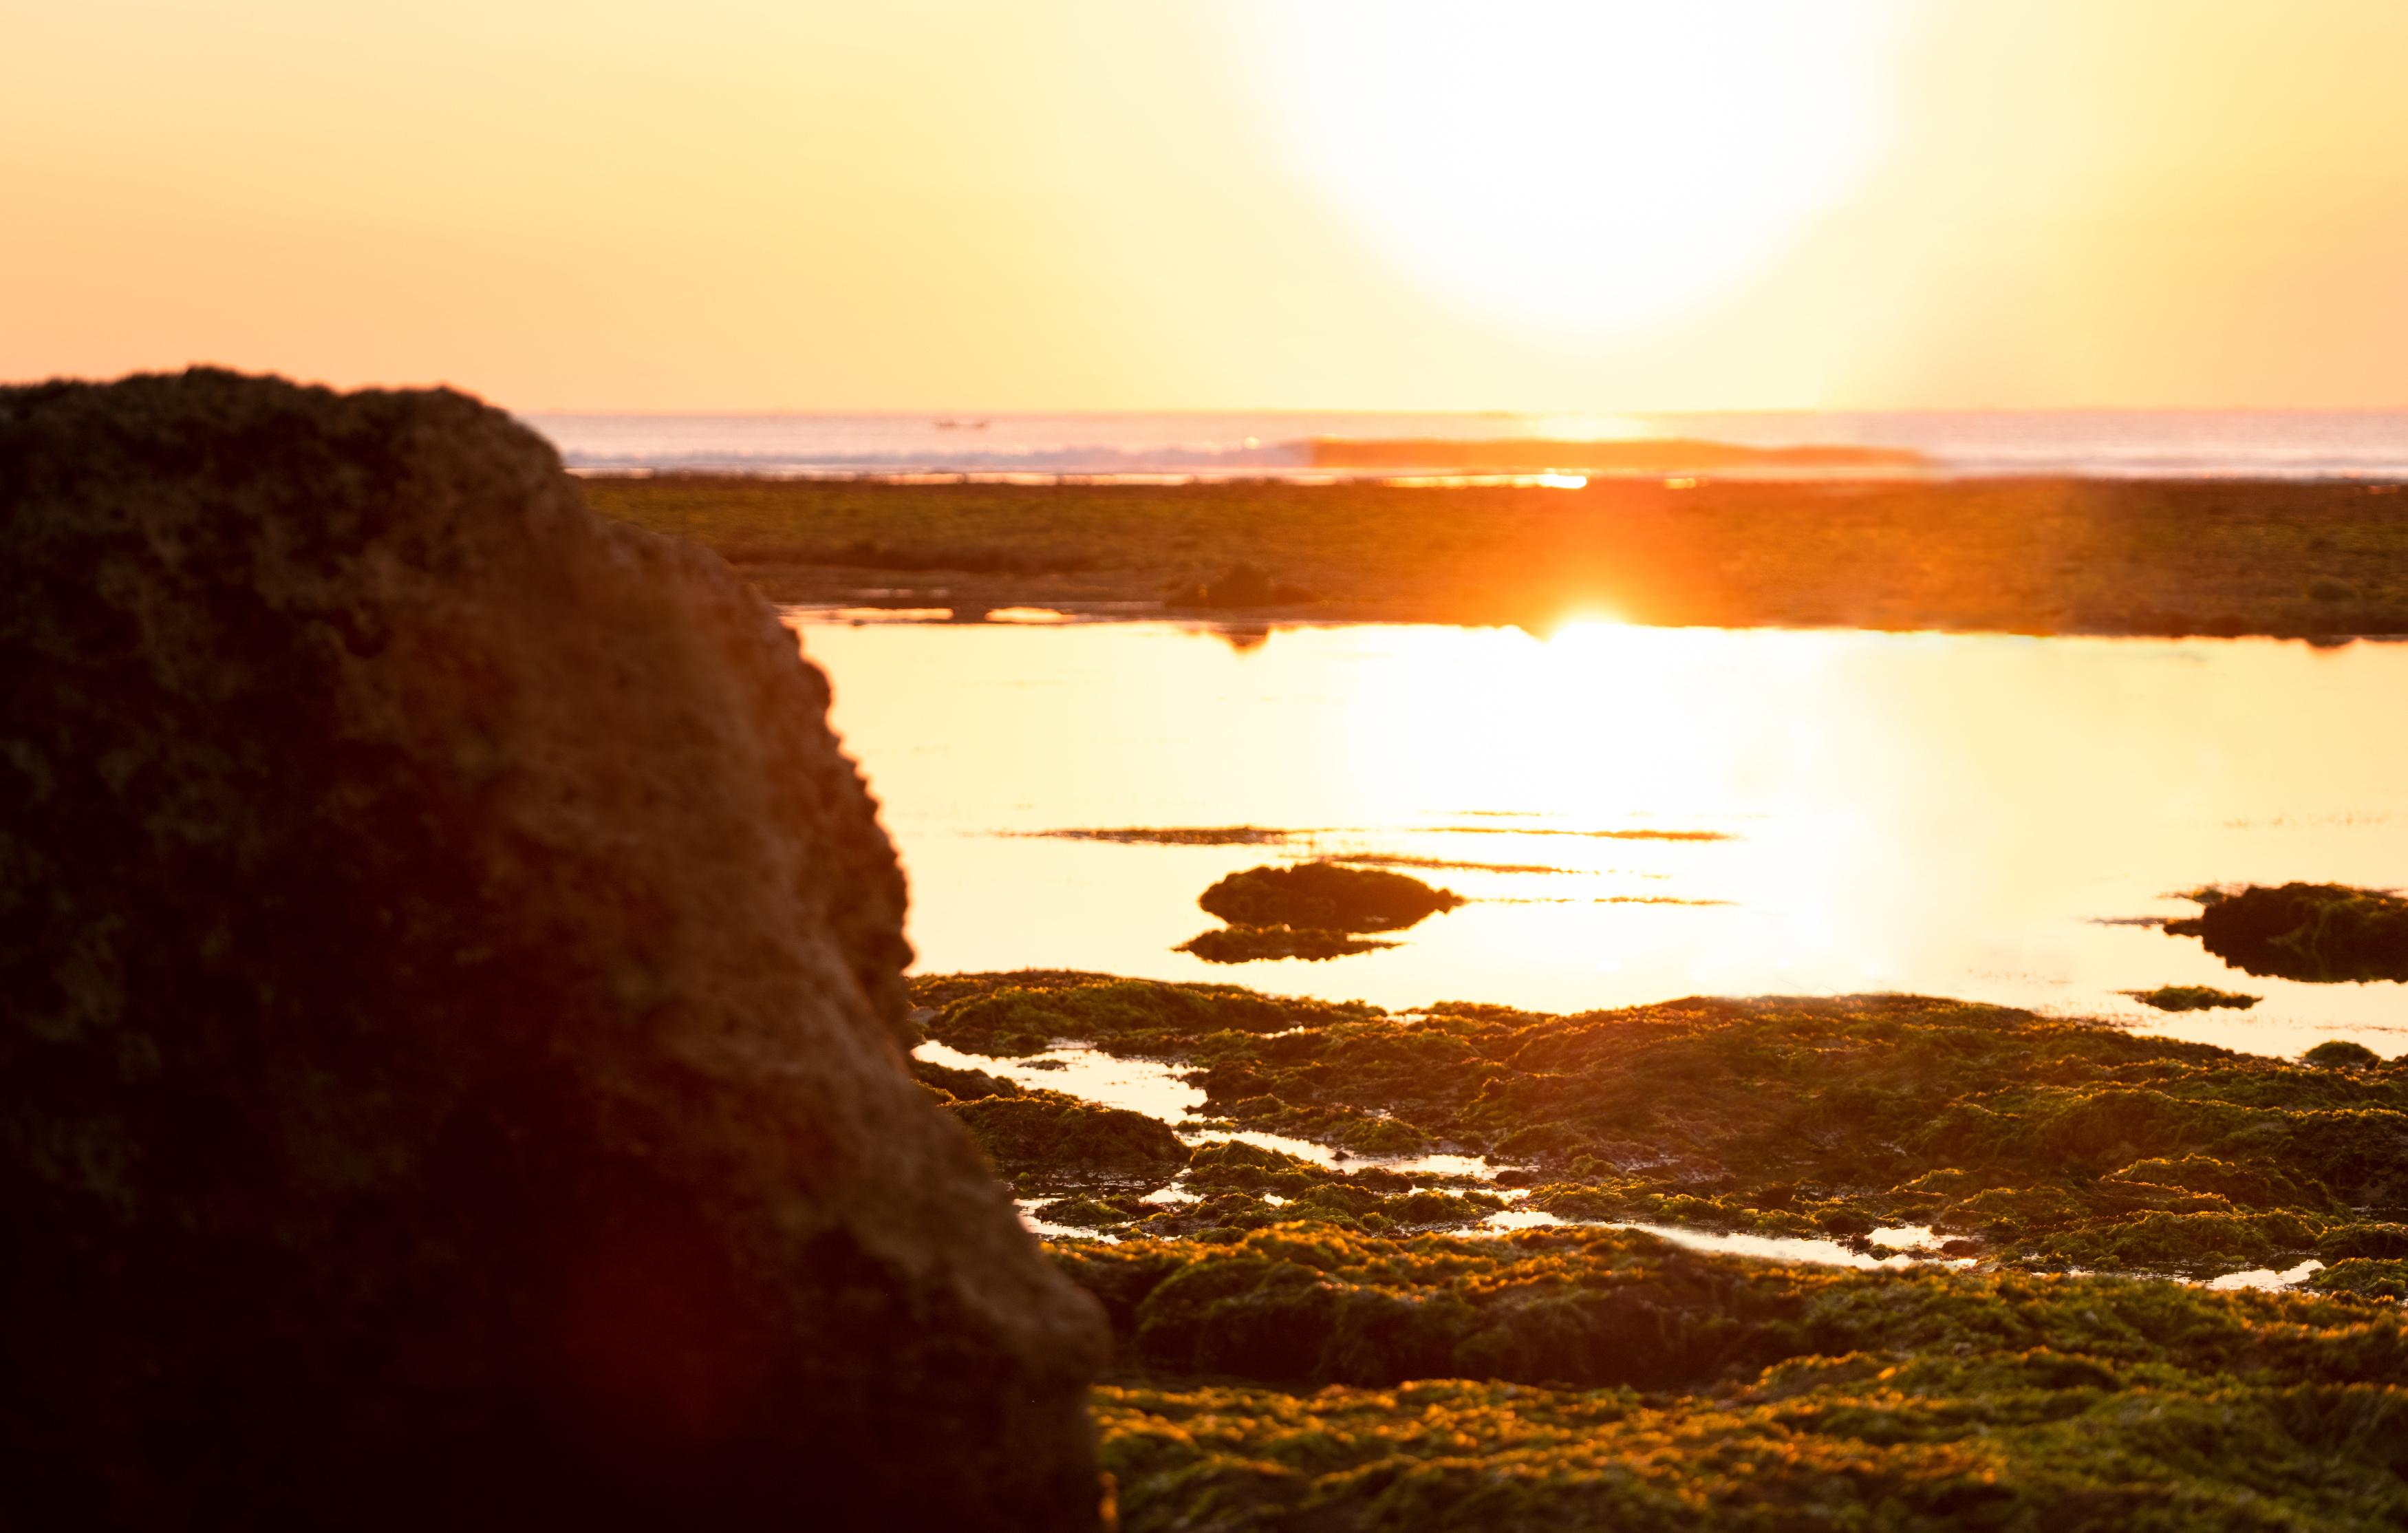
(449, 1075)
(2319, 932)
(1256, 944)
(1325, 897)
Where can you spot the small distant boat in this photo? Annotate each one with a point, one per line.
(961, 425)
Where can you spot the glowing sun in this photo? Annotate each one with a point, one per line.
(1588, 164)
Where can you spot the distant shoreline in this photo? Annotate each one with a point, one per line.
(2319, 560)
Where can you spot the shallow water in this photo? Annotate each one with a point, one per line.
(1979, 816)
(1155, 1089)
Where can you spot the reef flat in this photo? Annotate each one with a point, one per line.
(1353, 1339)
(2002, 555)
(2026, 1141)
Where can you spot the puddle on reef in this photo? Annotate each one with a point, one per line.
(1903, 1240)
(1974, 816)
(2267, 1278)
(1155, 1089)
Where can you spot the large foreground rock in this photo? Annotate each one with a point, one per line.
(449, 1076)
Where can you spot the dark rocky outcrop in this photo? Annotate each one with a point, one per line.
(1325, 897)
(2319, 932)
(449, 1073)
(1252, 944)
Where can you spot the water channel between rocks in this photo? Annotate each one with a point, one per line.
(1156, 1089)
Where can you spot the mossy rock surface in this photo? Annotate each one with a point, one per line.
(1049, 1132)
(1326, 896)
(1297, 1378)
(2047, 1143)
(2319, 932)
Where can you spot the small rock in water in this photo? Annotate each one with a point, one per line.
(2319, 932)
(2192, 997)
(1325, 897)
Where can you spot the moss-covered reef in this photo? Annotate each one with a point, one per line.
(2319, 932)
(1301, 1306)
(1605, 1379)
(1048, 1137)
(2025, 1140)
(2021, 555)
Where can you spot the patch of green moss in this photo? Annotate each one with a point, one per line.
(959, 1085)
(1051, 1134)
(1307, 1306)
(2342, 1054)
(2365, 1277)
(2033, 1440)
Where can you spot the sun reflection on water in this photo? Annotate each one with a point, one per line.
(1638, 813)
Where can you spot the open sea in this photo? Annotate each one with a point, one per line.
(2186, 444)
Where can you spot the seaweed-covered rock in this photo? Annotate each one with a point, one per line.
(1052, 1131)
(2321, 932)
(449, 1073)
(1326, 896)
(1254, 944)
(2193, 998)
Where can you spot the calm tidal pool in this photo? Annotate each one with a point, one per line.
(1638, 813)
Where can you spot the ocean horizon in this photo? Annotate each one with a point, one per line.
(2257, 444)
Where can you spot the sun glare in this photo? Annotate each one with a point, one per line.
(1582, 165)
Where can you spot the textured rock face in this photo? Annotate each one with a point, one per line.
(449, 1074)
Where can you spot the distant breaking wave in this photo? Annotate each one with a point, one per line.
(2126, 444)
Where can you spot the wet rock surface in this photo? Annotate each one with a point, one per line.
(451, 1075)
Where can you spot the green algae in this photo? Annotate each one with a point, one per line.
(2342, 1054)
(2035, 1141)
(1301, 1378)
(1303, 1346)
(1855, 1443)
(1050, 1136)
(1305, 1306)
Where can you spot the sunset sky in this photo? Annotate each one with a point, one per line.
(1189, 204)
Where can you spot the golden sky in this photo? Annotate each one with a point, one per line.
(1191, 203)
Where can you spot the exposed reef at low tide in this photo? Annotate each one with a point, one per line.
(1328, 1340)
(2322, 933)
(2029, 1141)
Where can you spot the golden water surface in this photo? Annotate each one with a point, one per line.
(1656, 812)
